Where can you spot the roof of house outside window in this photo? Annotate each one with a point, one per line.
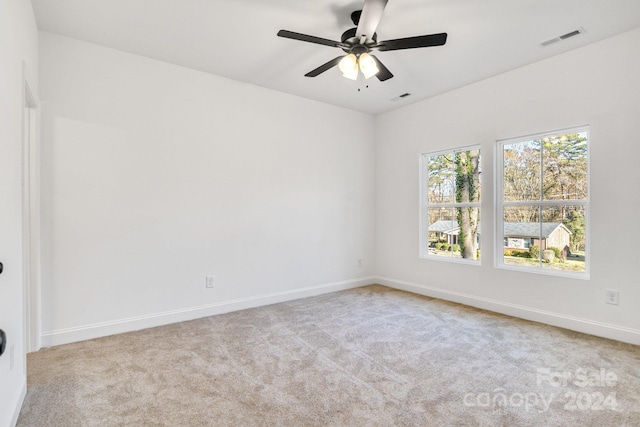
(531, 229)
(444, 226)
(511, 229)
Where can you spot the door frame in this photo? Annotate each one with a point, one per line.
(31, 213)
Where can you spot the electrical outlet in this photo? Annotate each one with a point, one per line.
(613, 297)
(210, 282)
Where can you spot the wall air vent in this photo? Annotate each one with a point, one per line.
(563, 37)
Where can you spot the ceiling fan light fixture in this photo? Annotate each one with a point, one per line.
(347, 62)
(349, 66)
(368, 65)
(351, 74)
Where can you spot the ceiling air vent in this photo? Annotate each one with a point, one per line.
(563, 37)
(399, 97)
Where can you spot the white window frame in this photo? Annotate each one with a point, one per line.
(425, 206)
(501, 204)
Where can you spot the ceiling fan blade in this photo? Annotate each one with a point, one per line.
(412, 42)
(370, 18)
(324, 67)
(384, 73)
(310, 39)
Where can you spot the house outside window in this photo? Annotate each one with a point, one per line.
(543, 203)
(450, 195)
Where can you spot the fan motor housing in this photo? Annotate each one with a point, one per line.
(349, 37)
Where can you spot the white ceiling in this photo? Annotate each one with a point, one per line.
(237, 39)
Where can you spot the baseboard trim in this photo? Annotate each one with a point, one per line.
(97, 330)
(618, 333)
(19, 403)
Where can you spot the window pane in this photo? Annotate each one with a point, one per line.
(446, 236)
(522, 236)
(443, 231)
(521, 178)
(563, 233)
(441, 181)
(565, 166)
(451, 184)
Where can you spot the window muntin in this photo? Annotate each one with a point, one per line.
(543, 201)
(450, 205)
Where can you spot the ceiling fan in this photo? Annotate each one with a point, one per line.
(358, 42)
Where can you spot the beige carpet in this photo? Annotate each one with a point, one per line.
(371, 356)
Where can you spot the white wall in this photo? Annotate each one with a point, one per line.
(597, 85)
(18, 45)
(155, 176)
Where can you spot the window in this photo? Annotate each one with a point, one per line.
(450, 205)
(543, 203)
